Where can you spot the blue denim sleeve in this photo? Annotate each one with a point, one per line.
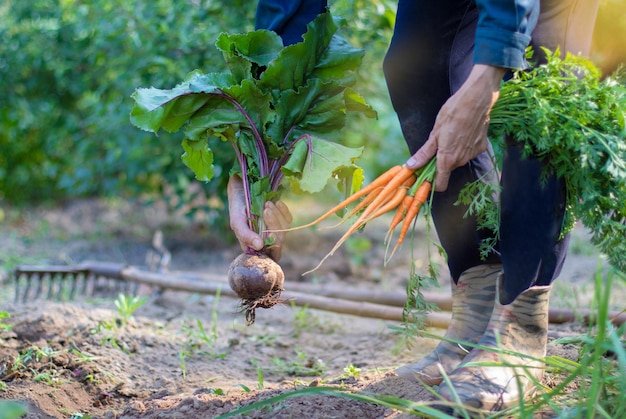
(503, 32)
(288, 18)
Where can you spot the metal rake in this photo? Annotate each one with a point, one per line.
(104, 279)
(55, 282)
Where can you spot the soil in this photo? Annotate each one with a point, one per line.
(188, 355)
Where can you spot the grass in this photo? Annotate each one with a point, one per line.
(593, 386)
(12, 410)
(197, 338)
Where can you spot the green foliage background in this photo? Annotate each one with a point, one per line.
(68, 67)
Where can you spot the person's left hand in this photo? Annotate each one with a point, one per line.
(460, 131)
(276, 216)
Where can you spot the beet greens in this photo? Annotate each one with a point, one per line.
(281, 108)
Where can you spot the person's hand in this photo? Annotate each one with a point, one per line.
(276, 216)
(460, 131)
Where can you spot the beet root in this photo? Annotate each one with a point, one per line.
(258, 280)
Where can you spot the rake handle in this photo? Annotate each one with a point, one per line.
(380, 305)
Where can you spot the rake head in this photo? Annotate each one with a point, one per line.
(91, 279)
(66, 283)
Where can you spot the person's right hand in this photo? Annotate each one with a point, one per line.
(276, 216)
(460, 130)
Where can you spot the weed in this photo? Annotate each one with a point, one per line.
(12, 410)
(351, 371)
(259, 375)
(32, 353)
(81, 357)
(126, 306)
(300, 365)
(301, 318)
(182, 355)
(264, 340)
(3, 326)
(28, 362)
(197, 338)
(304, 320)
(49, 378)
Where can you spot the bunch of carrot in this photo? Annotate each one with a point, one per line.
(399, 188)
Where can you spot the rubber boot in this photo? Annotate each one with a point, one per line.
(473, 298)
(520, 327)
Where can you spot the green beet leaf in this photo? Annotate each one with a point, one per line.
(314, 161)
(199, 158)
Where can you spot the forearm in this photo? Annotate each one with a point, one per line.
(503, 32)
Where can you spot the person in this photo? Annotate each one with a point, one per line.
(443, 68)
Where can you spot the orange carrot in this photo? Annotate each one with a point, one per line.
(394, 200)
(421, 195)
(365, 216)
(402, 176)
(380, 181)
(372, 196)
(365, 202)
(399, 215)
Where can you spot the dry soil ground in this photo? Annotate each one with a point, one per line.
(186, 355)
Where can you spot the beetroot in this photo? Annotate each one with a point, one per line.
(258, 280)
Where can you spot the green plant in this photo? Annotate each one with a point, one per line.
(300, 365)
(260, 379)
(81, 356)
(49, 378)
(197, 337)
(280, 108)
(126, 306)
(33, 353)
(396, 403)
(302, 319)
(573, 119)
(12, 410)
(351, 371)
(109, 327)
(264, 339)
(182, 356)
(69, 67)
(3, 326)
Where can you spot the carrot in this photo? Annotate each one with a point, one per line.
(379, 182)
(399, 215)
(406, 191)
(394, 200)
(421, 195)
(364, 202)
(372, 196)
(403, 176)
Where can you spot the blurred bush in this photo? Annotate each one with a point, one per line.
(67, 70)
